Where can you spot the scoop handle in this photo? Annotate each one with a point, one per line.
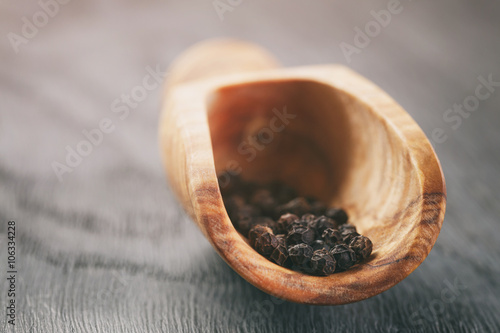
(218, 57)
(207, 59)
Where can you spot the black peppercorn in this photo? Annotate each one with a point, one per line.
(331, 236)
(244, 222)
(298, 206)
(317, 208)
(298, 224)
(347, 235)
(245, 218)
(299, 235)
(308, 218)
(266, 221)
(282, 193)
(322, 223)
(348, 232)
(263, 199)
(281, 238)
(310, 198)
(285, 221)
(347, 227)
(344, 256)
(318, 244)
(322, 262)
(266, 243)
(280, 253)
(256, 232)
(362, 246)
(300, 254)
(233, 204)
(337, 214)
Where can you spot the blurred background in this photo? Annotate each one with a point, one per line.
(102, 245)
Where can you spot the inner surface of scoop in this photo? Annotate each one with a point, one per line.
(319, 140)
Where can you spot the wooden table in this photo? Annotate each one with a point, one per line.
(105, 248)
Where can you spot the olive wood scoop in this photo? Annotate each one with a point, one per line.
(325, 131)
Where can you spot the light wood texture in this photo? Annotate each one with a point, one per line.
(346, 142)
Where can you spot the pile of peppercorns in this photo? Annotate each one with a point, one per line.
(300, 233)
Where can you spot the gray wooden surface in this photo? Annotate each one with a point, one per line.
(107, 248)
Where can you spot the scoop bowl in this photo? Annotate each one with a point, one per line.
(323, 130)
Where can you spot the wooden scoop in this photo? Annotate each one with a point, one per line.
(323, 130)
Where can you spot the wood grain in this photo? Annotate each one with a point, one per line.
(109, 249)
